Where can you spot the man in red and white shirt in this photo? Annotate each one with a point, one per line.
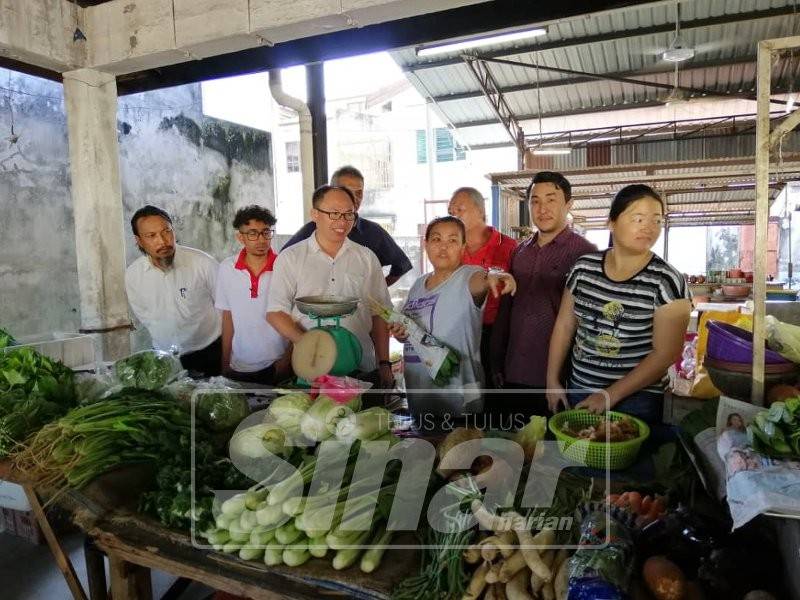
(252, 350)
(488, 248)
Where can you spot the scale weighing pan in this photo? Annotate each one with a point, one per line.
(326, 306)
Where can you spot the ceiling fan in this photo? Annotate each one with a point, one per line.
(677, 52)
(680, 48)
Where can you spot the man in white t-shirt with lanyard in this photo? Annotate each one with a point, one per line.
(171, 292)
(327, 262)
(252, 350)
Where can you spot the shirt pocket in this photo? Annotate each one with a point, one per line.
(191, 301)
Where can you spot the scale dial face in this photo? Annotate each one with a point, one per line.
(314, 354)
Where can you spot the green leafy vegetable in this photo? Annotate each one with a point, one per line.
(6, 339)
(132, 426)
(171, 500)
(147, 370)
(288, 410)
(21, 415)
(27, 370)
(776, 432)
(222, 411)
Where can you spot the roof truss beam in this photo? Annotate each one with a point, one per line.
(568, 81)
(488, 84)
(628, 80)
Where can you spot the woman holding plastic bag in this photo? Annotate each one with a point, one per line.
(447, 305)
(624, 312)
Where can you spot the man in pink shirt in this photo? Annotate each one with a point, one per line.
(524, 324)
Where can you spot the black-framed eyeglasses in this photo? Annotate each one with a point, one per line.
(335, 215)
(254, 235)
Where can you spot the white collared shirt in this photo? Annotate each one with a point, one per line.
(256, 345)
(176, 305)
(306, 270)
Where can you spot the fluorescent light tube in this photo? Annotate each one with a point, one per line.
(480, 42)
(547, 151)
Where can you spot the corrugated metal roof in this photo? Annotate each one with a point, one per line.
(684, 185)
(725, 53)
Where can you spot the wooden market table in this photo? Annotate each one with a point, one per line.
(135, 544)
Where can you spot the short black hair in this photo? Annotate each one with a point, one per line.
(557, 179)
(254, 212)
(320, 192)
(630, 194)
(148, 211)
(448, 219)
(347, 170)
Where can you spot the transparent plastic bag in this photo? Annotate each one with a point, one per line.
(91, 387)
(783, 338)
(147, 370)
(602, 566)
(219, 403)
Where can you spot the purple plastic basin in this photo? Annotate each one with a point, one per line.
(734, 344)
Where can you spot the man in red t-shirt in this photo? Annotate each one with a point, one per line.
(487, 248)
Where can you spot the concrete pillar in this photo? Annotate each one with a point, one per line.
(91, 105)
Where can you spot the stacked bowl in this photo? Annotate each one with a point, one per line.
(729, 361)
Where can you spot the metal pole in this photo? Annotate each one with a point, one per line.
(666, 227)
(764, 72)
(315, 86)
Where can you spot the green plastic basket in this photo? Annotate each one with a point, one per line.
(599, 455)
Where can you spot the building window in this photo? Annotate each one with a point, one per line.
(293, 157)
(422, 147)
(447, 149)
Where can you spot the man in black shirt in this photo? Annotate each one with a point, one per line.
(365, 232)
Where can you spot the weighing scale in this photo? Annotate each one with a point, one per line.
(329, 349)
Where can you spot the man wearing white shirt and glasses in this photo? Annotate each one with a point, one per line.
(252, 350)
(329, 263)
(171, 291)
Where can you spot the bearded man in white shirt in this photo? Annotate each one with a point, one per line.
(171, 291)
(329, 263)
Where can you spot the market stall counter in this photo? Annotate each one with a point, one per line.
(135, 544)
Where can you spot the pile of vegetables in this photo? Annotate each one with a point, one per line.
(34, 390)
(265, 525)
(776, 432)
(644, 509)
(171, 499)
(22, 414)
(132, 426)
(513, 562)
(443, 573)
(697, 553)
(272, 522)
(147, 370)
(502, 557)
(27, 370)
